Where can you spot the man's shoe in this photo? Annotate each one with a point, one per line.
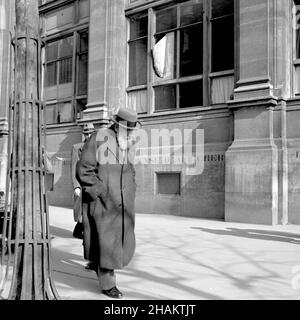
(113, 293)
(78, 231)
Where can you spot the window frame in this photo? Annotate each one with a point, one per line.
(206, 76)
(296, 61)
(158, 173)
(178, 80)
(76, 30)
(59, 59)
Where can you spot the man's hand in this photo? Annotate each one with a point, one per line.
(77, 192)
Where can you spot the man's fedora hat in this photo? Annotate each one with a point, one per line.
(88, 128)
(126, 118)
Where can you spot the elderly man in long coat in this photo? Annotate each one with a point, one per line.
(107, 176)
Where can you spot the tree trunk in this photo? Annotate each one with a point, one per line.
(28, 239)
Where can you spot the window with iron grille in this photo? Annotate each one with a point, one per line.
(181, 55)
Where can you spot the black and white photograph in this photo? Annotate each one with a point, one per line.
(150, 151)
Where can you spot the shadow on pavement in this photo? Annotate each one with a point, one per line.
(68, 273)
(68, 268)
(171, 283)
(61, 233)
(255, 234)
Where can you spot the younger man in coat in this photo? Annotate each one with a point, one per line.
(109, 187)
(88, 129)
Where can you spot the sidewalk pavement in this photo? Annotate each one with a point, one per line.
(187, 259)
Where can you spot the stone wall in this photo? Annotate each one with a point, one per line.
(293, 134)
(202, 195)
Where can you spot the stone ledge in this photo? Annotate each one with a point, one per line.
(186, 115)
(96, 112)
(293, 103)
(252, 145)
(263, 101)
(144, 4)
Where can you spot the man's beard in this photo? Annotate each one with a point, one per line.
(125, 143)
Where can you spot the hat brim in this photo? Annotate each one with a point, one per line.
(113, 118)
(88, 131)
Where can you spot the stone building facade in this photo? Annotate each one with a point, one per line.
(230, 68)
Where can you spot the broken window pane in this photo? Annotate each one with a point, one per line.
(178, 52)
(164, 56)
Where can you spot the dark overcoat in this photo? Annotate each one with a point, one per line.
(108, 202)
(77, 201)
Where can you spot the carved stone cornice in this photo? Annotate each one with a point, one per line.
(262, 101)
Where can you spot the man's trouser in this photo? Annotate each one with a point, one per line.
(77, 209)
(107, 278)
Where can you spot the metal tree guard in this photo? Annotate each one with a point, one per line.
(25, 237)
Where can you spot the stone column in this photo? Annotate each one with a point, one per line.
(117, 58)
(107, 59)
(282, 79)
(256, 179)
(6, 9)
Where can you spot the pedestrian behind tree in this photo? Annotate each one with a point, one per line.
(88, 129)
